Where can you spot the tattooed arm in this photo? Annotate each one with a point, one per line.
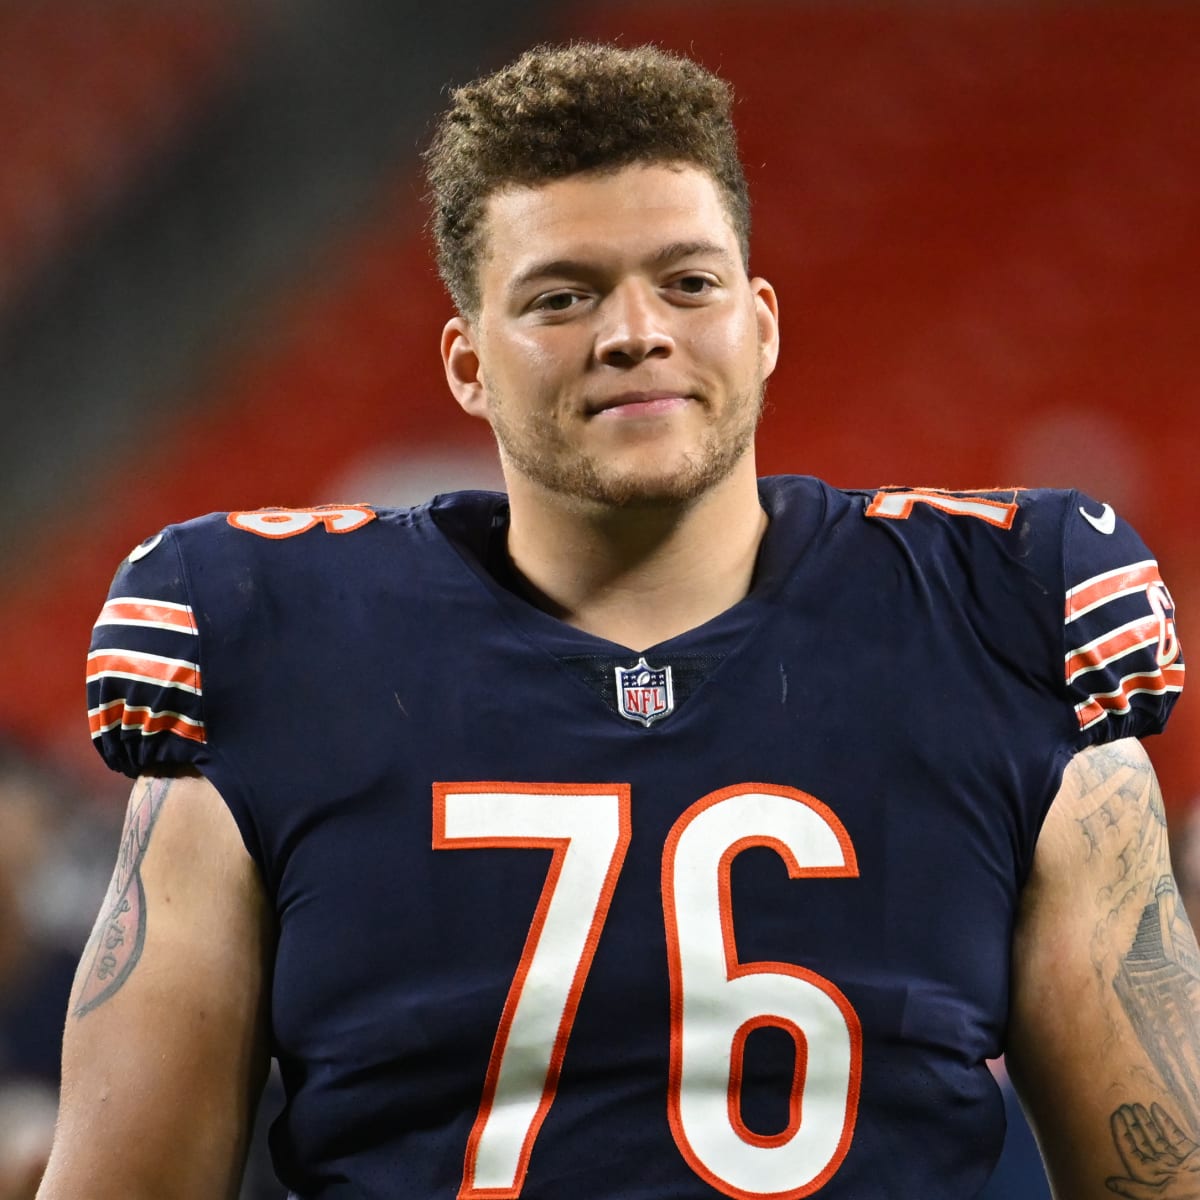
(163, 1053)
(1104, 1036)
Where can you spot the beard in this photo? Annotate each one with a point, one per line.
(538, 450)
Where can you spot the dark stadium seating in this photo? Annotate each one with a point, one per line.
(90, 92)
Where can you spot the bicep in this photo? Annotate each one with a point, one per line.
(1104, 1039)
(163, 1051)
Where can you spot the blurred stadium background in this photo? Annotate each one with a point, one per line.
(216, 292)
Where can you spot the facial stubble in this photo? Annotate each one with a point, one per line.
(537, 448)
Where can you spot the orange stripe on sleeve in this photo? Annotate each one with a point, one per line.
(153, 668)
(130, 610)
(116, 713)
(1100, 589)
(1101, 652)
(1116, 703)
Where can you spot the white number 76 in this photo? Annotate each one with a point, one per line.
(717, 1001)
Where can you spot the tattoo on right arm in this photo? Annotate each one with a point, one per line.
(120, 933)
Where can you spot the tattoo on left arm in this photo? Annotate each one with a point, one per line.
(120, 933)
(1160, 1159)
(1157, 980)
(1159, 987)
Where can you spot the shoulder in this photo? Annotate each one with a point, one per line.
(1016, 518)
(984, 545)
(281, 537)
(231, 558)
(1085, 553)
(219, 567)
(197, 606)
(1022, 522)
(1061, 582)
(1122, 663)
(144, 685)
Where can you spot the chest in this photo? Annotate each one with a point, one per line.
(792, 892)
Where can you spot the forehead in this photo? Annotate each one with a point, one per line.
(620, 214)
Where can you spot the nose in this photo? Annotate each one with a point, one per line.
(634, 326)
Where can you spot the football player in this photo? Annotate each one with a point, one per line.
(652, 830)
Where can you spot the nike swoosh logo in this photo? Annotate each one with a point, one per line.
(141, 551)
(1105, 523)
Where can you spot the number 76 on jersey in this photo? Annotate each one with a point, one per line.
(716, 1000)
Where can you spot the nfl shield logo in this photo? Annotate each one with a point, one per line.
(644, 692)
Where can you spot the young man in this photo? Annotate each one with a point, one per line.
(653, 831)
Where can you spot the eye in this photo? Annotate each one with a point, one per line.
(556, 302)
(693, 285)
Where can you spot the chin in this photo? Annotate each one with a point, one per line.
(633, 494)
(652, 488)
(645, 478)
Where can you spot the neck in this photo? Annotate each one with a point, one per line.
(638, 576)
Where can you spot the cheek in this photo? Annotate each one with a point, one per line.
(735, 344)
(523, 363)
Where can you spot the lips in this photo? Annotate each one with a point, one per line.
(637, 402)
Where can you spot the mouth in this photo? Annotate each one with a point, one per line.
(637, 404)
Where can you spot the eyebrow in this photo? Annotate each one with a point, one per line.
(677, 250)
(671, 252)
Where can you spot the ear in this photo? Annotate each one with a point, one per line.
(461, 362)
(766, 310)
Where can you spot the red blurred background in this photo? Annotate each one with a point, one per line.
(983, 222)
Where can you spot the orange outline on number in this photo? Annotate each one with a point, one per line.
(322, 514)
(468, 1190)
(948, 502)
(737, 1058)
(560, 845)
(735, 969)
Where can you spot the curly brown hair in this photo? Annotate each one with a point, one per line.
(559, 110)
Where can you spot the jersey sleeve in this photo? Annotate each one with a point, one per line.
(145, 692)
(1124, 665)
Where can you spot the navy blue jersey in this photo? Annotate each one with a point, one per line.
(729, 916)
